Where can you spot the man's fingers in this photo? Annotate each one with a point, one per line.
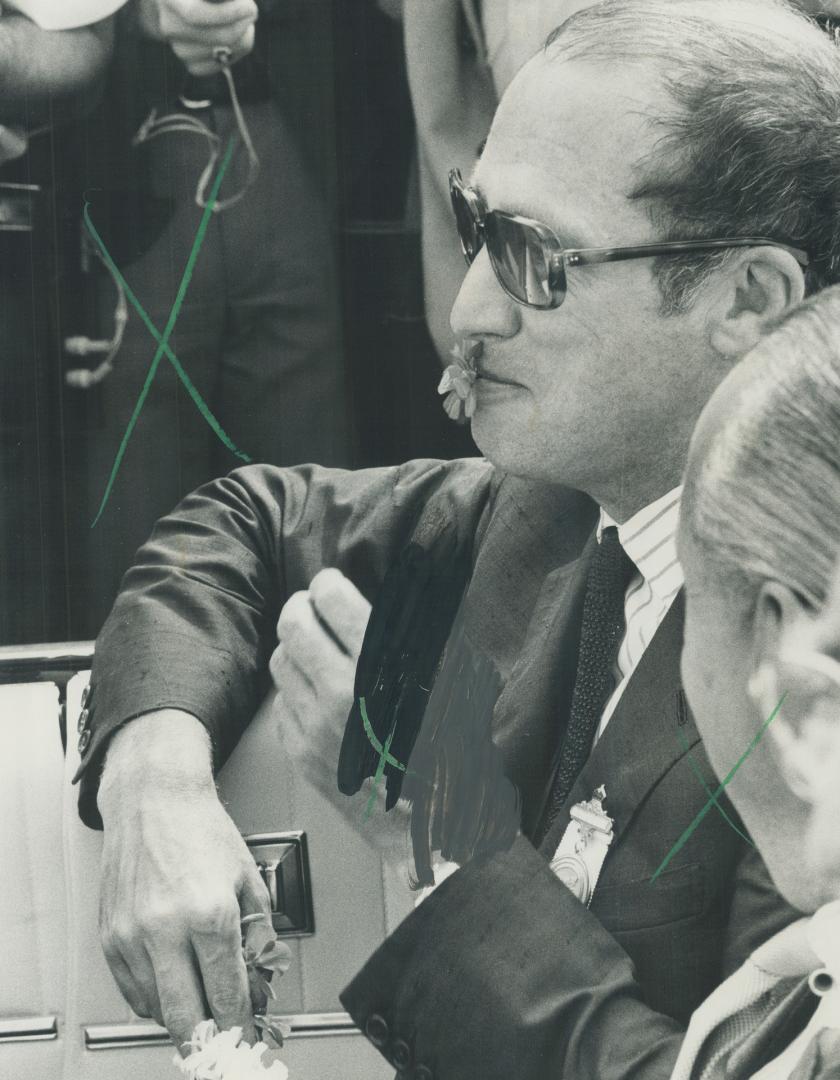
(181, 1001)
(126, 982)
(307, 641)
(125, 952)
(295, 684)
(219, 954)
(200, 59)
(340, 605)
(296, 705)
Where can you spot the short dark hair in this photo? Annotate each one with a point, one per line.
(751, 146)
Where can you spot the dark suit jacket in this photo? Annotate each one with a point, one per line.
(501, 972)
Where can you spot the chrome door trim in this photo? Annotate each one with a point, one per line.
(136, 1036)
(44, 663)
(29, 1029)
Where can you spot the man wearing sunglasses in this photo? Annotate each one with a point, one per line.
(659, 185)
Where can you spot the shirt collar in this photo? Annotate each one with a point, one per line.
(649, 538)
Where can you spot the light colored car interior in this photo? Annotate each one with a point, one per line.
(61, 1014)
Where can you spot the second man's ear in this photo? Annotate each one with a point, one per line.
(777, 610)
(759, 287)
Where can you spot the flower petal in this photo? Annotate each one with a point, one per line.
(445, 384)
(453, 406)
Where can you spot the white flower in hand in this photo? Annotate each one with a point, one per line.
(458, 382)
(222, 1055)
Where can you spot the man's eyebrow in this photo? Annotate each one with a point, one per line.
(567, 238)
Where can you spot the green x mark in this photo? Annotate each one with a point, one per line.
(695, 768)
(385, 758)
(163, 340)
(713, 801)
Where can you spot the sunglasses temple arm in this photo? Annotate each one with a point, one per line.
(591, 256)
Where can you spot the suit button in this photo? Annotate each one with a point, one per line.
(83, 720)
(423, 1072)
(84, 741)
(400, 1054)
(377, 1030)
(86, 695)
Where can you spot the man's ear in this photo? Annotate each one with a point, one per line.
(777, 610)
(759, 287)
(776, 687)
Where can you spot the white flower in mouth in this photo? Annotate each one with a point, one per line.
(458, 382)
(222, 1055)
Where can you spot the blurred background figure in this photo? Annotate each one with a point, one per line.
(259, 332)
(53, 54)
(302, 327)
(759, 543)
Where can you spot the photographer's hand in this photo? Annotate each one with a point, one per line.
(196, 28)
(176, 878)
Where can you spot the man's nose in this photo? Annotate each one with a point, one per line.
(482, 308)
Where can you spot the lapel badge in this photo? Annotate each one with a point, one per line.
(581, 853)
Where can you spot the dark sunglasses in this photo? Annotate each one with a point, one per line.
(529, 260)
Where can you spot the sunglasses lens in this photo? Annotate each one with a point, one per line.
(469, 231)
(520, 261)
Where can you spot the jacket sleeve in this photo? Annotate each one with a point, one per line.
(194, 624)
(503, 973)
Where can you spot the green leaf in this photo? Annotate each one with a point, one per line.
(275, 957)
(277, 1029)
(264, 1032)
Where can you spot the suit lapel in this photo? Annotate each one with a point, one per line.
(522, 611)
(532, 710)
(646, 735)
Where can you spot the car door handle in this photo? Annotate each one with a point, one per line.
(283, 862)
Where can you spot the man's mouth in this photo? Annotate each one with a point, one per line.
(488, 376)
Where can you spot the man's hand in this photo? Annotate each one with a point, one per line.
(195, 28)
(321, 632)
(176, 878)
(37, 66)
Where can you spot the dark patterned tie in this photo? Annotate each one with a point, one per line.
(602, 626)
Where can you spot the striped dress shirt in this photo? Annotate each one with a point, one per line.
(649, 538)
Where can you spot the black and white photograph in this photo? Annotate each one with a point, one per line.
(419, 539)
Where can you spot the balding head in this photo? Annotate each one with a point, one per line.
(749, 141)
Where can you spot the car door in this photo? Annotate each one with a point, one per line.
(336, 895)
